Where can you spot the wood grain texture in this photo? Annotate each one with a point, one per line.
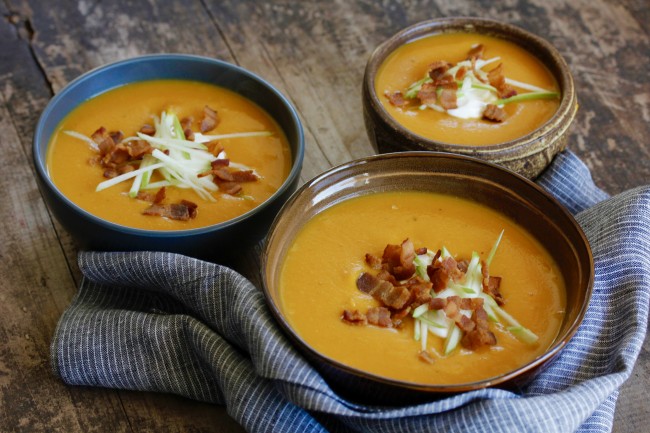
(315, 53)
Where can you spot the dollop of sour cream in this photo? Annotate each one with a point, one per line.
(471, 101)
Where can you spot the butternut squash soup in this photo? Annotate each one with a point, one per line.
(168, 155)
(467, 89)
(422, 287)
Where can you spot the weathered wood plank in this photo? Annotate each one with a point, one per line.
(36, 283)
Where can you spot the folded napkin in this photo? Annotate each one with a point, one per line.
(163, 322)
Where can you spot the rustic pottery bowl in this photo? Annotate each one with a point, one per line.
(91, 232)
(456, 175)
(527, 155)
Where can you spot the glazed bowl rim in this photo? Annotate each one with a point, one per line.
(422, 29)
(203, 61)
(555, 348)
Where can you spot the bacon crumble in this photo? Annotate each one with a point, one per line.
(396, 99)
(117, 157)
(399, 290)
(443, 87)
(494, 113)
(183, 211)
(210, 120)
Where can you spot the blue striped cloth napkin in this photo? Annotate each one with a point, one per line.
(163, 322)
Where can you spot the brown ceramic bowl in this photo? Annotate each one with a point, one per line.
(527, 155)
(457, 175)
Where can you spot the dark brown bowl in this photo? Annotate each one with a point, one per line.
(527, 155)
(456, 175)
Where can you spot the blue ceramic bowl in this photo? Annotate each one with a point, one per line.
(91, 232)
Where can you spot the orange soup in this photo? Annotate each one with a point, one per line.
(262, 151)
(321, 271)
(411, 62)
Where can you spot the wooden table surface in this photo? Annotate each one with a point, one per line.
(314, 52)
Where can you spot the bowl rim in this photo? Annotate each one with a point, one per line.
(41, 166)
(499, 29)
(559, 343)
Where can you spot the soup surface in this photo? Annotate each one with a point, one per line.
(127, 109)
(410, 62)
(320, 271)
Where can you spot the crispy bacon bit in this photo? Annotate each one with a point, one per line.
(354, 317)
(223, 174)
(428, 94)
(492, 289)
(396, 99)
(497, 79)
(507, 92)
(115, 170)
(420, 291)
(175, 211)
(119, 154)
(214, 148)
(379, 316)
(426, 357)
(210, 120)
(437, 303)
(116, 136)
(398, 259)
(392, 296)
(145, 196)
(114, 156)
(447, 98)
(385, 275)
(491, 284)
(473, 69)
(438, 69)
(438, 276)
(470, 303)
(463, 265)
(421, 250)
(452, 268)
(103, 140)
(494, 113)
(480, 335)
(476, 52)
(147, 129)
(452, 309)
(160, 195)
(373, 261)
(191, 208)
(223, 162)
(138, 148)
(186, 124)
(227, 180)
(465, 323)
(460, 74)
(440, 272)
(231, 188)
(244, 176)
